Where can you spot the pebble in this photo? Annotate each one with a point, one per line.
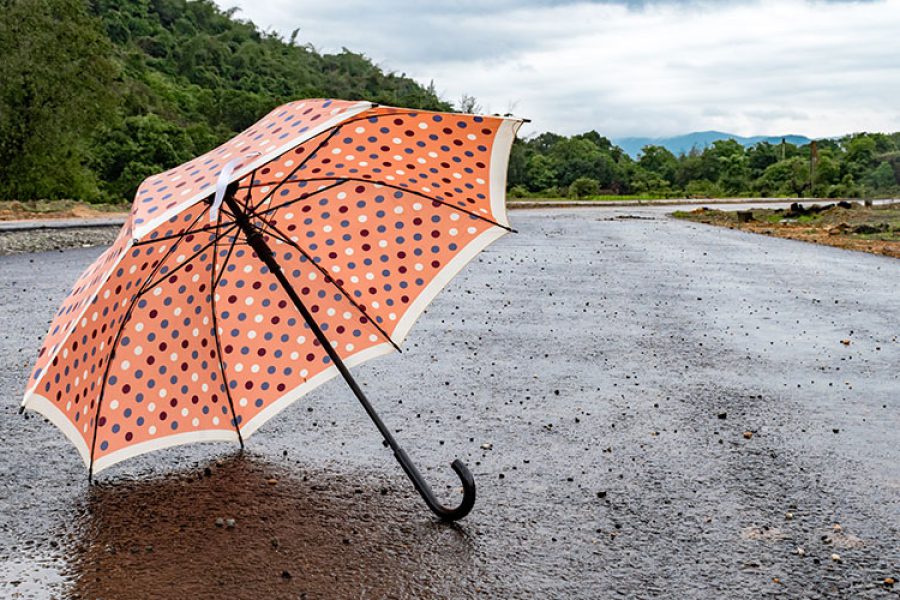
(800, 551)
(836, 558)
(748, 435)
(220, 522)
(230, 523)
(487, 446)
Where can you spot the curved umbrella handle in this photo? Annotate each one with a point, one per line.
(444, 513)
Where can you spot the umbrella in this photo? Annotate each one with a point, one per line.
(243, 279)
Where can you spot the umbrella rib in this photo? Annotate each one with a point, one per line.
(181, 234)
(112, 347)
(304, 196)
(215, 323)
(398, 188)
(185, 262)
(333, 131)
(302, 163)
(279, 235)
(225, 262)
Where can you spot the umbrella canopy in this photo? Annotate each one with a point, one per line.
(187, 328)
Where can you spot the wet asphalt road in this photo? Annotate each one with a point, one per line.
(610, 359)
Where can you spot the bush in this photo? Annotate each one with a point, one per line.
(584, 187)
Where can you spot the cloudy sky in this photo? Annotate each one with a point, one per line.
(638, 67)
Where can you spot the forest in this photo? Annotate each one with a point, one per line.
(96, 95)
(589, 165)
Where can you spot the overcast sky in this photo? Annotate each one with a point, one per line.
(644, 67)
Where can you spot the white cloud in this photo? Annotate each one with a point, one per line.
(632, 68)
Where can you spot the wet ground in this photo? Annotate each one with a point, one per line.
(651, 408)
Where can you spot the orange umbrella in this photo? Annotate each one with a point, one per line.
(243, 279)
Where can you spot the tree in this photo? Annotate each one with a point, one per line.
(468, 104)
(881, 178)
(659, 161)
(55, 89)
(784, 178)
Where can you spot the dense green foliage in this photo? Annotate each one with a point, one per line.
(95, 95)
(585, 165)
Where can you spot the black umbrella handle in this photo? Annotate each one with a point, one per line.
(259, 245)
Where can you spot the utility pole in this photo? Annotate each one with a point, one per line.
(813, 157)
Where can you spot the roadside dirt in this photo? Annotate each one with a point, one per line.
(847, 225)
(15, 210)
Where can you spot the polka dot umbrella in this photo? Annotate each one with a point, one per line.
(243, 279)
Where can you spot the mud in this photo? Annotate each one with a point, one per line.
(598, 374)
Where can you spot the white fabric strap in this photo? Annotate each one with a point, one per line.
(224, 180)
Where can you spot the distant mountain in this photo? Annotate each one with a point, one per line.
(700, 139)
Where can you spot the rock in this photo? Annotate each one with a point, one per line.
(286, 574)
(230, 523)
(487, 446)
(601, 494)
(272, 481)
(800, 551)
(845, 342)
(723, 415)
(220, 522)
(788, 516)
(748, 435)
(836, 557)
(889, 581)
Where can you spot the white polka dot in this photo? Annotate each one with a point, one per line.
(114, 405)
(195, 422)
(472, 229)
(152, 430)
(215, 420)
(138, 350)
(151, 407)
(184, 412)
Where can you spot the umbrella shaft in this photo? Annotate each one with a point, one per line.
(259, 245)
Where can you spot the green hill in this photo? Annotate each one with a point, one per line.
(95, 95)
